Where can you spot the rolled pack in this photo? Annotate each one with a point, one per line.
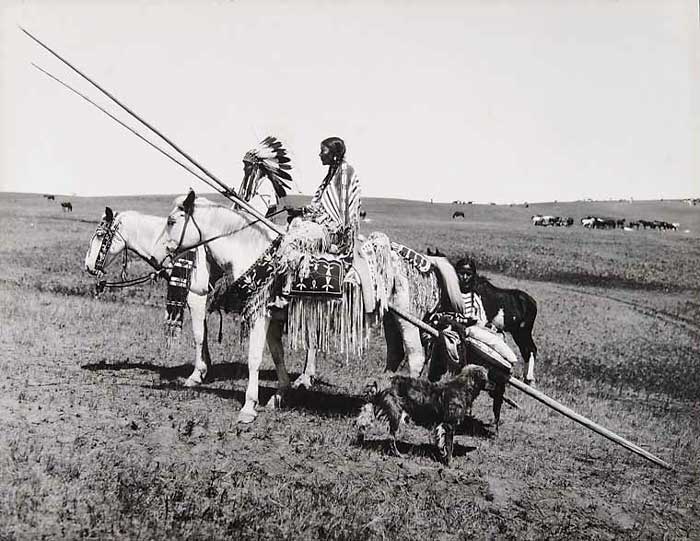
(489, 348)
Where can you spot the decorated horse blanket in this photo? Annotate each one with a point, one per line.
(417, 260)
(249, 293)
(322, 276)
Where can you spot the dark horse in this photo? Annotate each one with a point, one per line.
(436, 253)
(458, 214)
(67, 206)
(509, 310)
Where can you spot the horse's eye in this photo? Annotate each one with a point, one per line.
(171, 221)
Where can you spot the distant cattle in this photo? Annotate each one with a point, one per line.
(457, 214)
(434, 253)
(67, 206)
(656, 224)
(363, 214)
(544, 221)
(50, 197)
(594, 222)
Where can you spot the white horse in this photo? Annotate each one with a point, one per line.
(133, 231)
(119, 233)
(235, 240)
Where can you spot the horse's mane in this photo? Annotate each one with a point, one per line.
(230, 219)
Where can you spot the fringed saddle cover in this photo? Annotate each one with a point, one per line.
(178, 288)
(416, 260)
(322, 276)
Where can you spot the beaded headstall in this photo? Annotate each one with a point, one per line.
(107, 238)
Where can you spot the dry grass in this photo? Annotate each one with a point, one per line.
(99, 439)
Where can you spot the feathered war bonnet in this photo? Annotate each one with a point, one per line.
(269, 157)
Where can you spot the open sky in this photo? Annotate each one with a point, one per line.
(503, 101)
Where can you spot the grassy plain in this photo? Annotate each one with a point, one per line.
(98, 439)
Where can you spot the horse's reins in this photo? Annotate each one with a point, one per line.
(178, 251)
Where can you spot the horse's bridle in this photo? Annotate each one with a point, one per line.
(177, 251)
(109, 230)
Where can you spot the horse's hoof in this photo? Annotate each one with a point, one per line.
(246, 417)
(275, 402)
(304, 381)
(193, 382)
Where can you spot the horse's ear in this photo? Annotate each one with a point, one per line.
(109, 215)
(188, 203)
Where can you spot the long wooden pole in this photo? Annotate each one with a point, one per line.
(230, 192)
(132, 130)
(571, 414)
(546, 400)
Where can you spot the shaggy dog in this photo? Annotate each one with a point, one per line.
(438, 406)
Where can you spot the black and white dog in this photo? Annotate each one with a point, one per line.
(440, 407)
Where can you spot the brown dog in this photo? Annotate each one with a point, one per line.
(438, 406)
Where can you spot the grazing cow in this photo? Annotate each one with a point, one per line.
(593, 222)
(544, 221)
(508, 310)
(50, 197)
(588, 222)
(569, 222)
(67, 206)
(457, 214)
(620, 223)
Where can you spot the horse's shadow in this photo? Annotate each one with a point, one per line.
(322, 403)
(315, 401)
(217, 372)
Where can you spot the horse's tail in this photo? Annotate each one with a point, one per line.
(451, 296)
(528, 306)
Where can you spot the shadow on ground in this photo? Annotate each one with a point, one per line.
(217, 372)
(413, 449)
(319, 401)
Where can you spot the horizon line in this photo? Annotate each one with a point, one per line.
(554, 201)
